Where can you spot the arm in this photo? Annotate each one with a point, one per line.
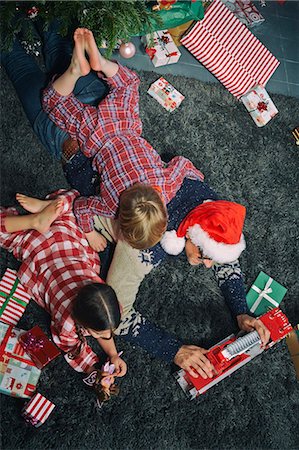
(77, 353)
(161, 344)
(230, 280)
(85, 208)
(110, 350)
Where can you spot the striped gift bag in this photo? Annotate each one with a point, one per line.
(37, 410)
(230, 51)
(13, 298)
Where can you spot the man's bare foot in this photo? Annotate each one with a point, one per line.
(31, 204)
(92, 51)
(44, 219)
(79, 51)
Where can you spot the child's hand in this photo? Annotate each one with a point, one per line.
(96, 241)
(120, 366)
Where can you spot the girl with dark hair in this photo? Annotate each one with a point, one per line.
(60, 270)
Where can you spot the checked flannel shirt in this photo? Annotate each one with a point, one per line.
(55, 265)
(111, 135)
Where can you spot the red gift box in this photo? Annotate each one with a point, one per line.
(38, 346)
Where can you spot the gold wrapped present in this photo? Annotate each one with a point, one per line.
(178, 32)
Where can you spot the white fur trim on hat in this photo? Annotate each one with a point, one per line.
(171, 243)
(218, 251)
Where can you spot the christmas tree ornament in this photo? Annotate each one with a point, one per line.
(127, 49)
(32, 12)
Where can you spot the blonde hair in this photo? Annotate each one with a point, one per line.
(142, 216)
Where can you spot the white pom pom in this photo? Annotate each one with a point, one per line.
(171, 243)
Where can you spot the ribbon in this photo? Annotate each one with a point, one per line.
(31, 420)
(262, 104)
(263, 293)
(32, 343)
(10, 296)
(169, 55)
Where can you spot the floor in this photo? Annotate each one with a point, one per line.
(279, 33)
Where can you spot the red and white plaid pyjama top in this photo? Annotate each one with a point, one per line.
(111, 135)
(55, 265)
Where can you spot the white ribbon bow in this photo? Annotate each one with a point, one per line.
(263, 293)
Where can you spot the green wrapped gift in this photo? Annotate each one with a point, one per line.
(264, 294)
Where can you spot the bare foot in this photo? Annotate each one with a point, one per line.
(92, 51)
(31, 204)
(79, 51)
(46, 217)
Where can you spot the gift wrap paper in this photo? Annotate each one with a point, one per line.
(259, 105)
(18, 374)
(166, 94)
(264, 294)
(38, 410)
(13, 298)
(245, 11)
(36, 343)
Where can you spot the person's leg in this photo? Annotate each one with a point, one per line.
(28, 81)
(40, 221)
(26, 77)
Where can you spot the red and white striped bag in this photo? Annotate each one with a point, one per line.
(37, 410)
(13, 298)
(230, 51)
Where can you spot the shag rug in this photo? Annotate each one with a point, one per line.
(258, 406)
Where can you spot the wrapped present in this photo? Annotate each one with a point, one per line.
(161, 48)
(245, 11)
(264, 294)
(259, 105)
(37, 410)
(166, 94)
(295, 133)
(13, 298)
(18, 373)
(38, 346)
(178, 32)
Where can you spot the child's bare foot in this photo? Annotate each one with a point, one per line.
(92, 51)
(46, 217)
(79, 51)
(31, 204)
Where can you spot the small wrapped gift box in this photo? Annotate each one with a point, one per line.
(38, 346)
(264, 294)
(13, 298)
(295, 133)
(161, 48)
(18, 373)
(245, 11)
(166, 94)
(259, 105)
(37, 410)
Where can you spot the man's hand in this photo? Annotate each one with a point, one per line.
(192, 253)
(120, 366)
(96, 241)
(248, 323)
(190, 357)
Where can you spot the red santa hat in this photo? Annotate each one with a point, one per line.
(213, 226)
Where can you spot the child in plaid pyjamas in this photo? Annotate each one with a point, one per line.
(111, 135)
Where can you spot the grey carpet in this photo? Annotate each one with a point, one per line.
(257, 407)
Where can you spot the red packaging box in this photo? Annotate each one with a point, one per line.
(38, 346)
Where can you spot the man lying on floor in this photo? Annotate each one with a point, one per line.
(129, 266)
